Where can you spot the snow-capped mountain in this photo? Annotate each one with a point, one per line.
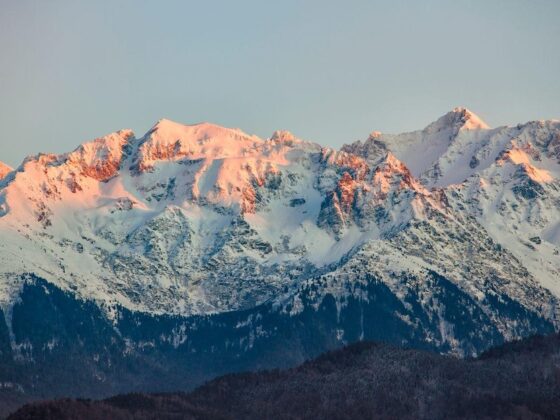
(205, 242)
(508, 178)
(203, 219)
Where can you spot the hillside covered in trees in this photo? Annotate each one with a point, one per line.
(364, 380)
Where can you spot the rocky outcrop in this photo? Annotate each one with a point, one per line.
(101, 158)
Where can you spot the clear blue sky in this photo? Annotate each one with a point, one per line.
(329, 71)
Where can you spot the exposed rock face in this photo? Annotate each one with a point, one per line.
(101, 158)
(338, 206)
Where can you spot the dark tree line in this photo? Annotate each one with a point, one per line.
(367, 380)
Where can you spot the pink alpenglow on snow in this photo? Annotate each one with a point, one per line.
(185, 209)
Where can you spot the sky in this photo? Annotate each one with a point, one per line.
(328, 71)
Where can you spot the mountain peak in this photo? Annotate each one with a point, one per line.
(374, 135)
(169, 140)
(459, 118)
(393, 175)
(282, 136)
(101, 158)
(168, 128)
(4, 170)
(392, 164)
(470, 119)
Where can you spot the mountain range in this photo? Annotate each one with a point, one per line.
(155, 263)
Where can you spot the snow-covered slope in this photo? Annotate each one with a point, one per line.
(198, 219)
(441, 153)
(508, 178)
